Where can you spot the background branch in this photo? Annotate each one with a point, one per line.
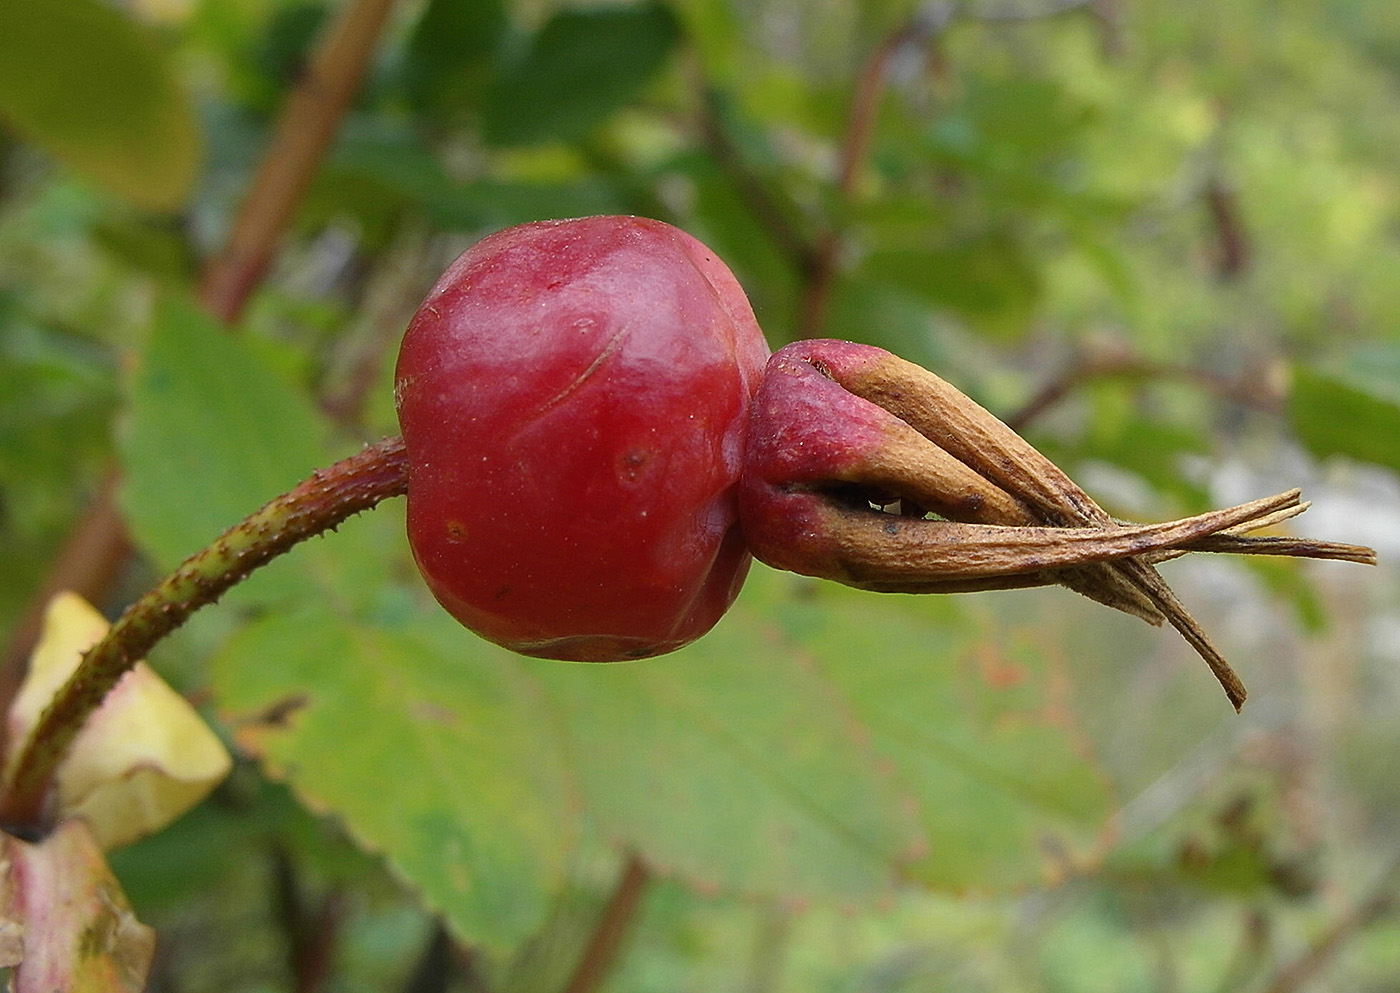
(1380, 902)
(93, 554)
(1253, 391)
(603, 946)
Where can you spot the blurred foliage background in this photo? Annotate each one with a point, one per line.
(1161, 238)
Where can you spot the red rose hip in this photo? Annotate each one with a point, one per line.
(574, 399)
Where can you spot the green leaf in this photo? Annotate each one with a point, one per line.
(874, 312)
(736, 764)
(160, 251)
(977, 725)
(583, 65)
(451, 52)
(212, 434)
(1333, 415)
(376, 174)
(94, 88)
(433, 748)
(1153, 449)
(1005, 121)
(988, 278)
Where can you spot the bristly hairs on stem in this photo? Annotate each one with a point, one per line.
(328, 498)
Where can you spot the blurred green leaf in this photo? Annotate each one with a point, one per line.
(876, 313)
(1009, 121)
(722, 221)
(57, 396)
(582, 65)
(291, 31)
(95, 88)
(1334, 416)
(988, 278)
(1246, 841)
(1374, 367)
(452, 51)
(1151, 448)
(57, 391)
(379, 174)
(158, 250)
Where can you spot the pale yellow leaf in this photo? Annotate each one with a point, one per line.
(143, 758)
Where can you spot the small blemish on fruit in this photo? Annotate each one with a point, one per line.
(503, 592)
(891, 529)
(632, 463)
(456, 531)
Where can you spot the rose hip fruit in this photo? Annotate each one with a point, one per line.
(574, 399)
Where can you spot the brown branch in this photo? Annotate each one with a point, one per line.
(1252, 393)
(312, 931)
(1380, 902)
(1232, 247)
(759, 199)
(606, 941)
(98, 545)
(308, 122)
(855, 151)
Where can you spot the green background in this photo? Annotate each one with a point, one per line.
(1184, 215)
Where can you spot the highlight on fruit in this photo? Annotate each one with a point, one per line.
(596, 441)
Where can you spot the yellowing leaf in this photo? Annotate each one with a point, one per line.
(64, 922)
(144, 757)
(94, 87)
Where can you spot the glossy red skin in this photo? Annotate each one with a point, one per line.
(573, 397)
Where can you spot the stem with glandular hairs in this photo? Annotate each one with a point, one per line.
(318, 504)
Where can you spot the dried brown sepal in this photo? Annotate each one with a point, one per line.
(843, 430)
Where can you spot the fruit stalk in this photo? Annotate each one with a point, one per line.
(320, 503)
